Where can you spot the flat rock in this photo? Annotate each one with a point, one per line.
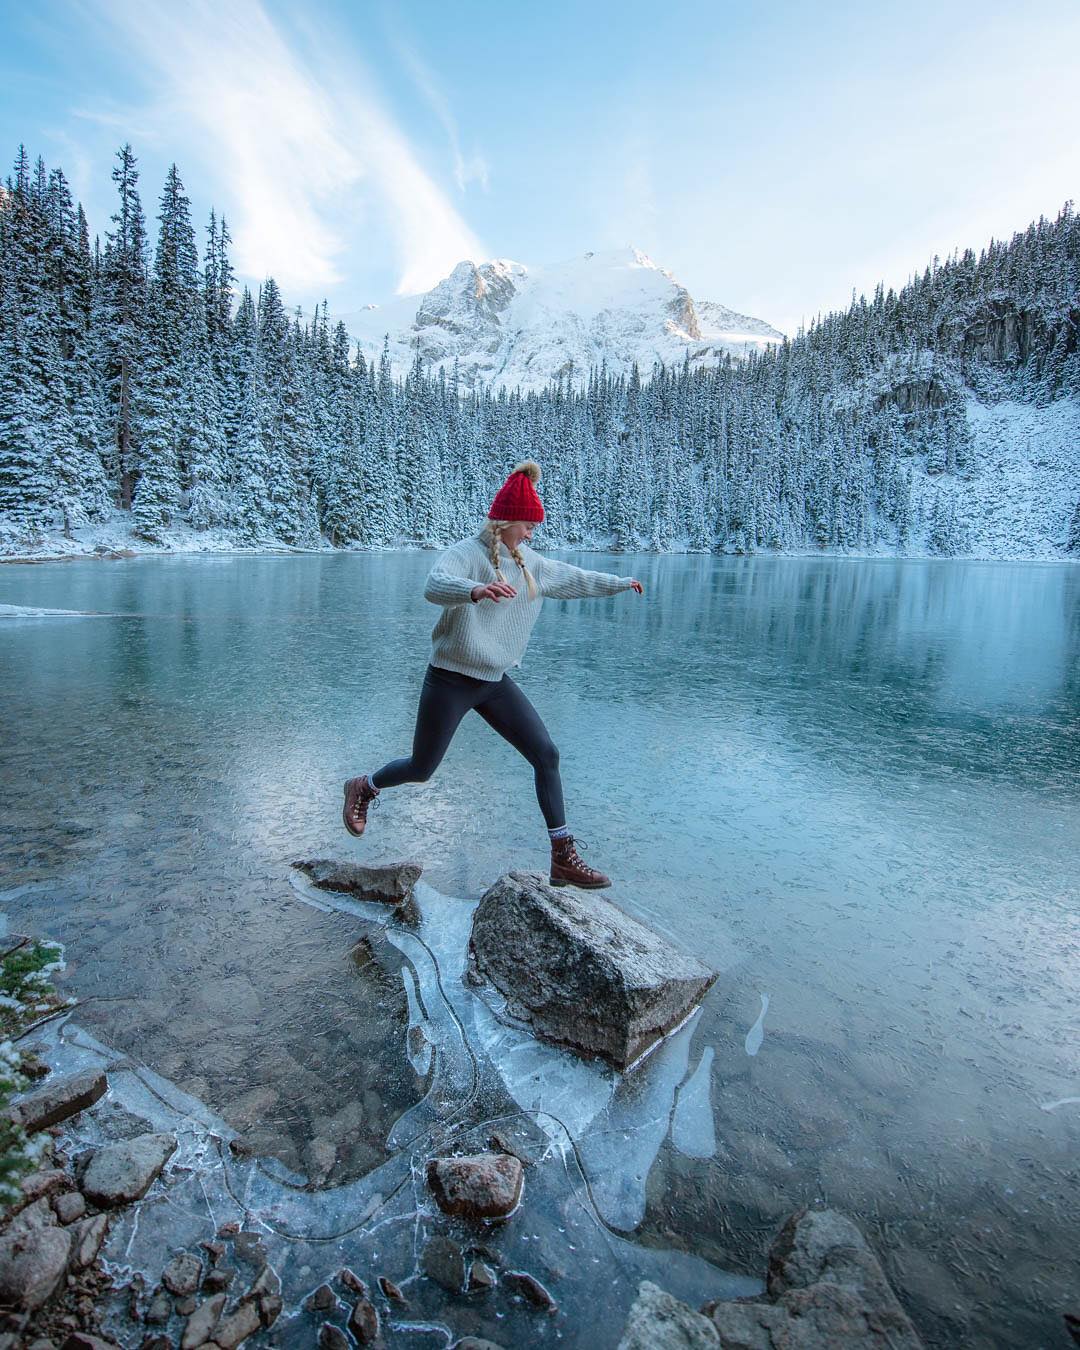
(122, 1172)
(579, 970)
(32, 1264)
(479, 1186)
(827, 1291)
(391, 884)
(58, 1100)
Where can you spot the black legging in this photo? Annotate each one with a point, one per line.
(446, 697)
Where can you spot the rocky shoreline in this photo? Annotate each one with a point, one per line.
(221, 1291)
(149, 1222)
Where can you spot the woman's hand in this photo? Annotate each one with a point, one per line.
(636, 585)
(496, 591)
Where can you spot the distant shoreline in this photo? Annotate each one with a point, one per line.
(285, 550)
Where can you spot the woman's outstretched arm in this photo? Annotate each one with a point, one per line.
(562, 581)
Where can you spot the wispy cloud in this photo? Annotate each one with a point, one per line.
(473, 169)
(296, 139)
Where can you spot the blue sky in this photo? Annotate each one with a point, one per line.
(772, 156)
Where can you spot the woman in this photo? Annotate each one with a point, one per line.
(483, 630)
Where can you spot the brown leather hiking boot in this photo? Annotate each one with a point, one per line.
(567, 869)
(359, 795)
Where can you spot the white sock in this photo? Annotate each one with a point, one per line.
(372, 782)
(560, 832)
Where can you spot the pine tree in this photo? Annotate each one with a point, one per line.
(124, 291)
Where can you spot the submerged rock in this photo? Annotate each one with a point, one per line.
(530, 1289)
(391, 1291)
(351, 1280)
(579, 970)
(321, 1299)
(364, 1322)
(202, 1322)
(480, 1186)
(442, 1261)
(244, 1322)
(58, 1100)
(828, 1292)
(182, 1274)
(120, 1173)
(160, 1308)
(481, 1277)
(391, 884)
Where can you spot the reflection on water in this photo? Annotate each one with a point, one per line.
(853, 785)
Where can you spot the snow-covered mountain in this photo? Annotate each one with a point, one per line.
(512, 324)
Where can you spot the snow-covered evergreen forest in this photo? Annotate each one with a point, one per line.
(136, 384)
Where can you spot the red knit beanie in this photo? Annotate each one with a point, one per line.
(517, 499)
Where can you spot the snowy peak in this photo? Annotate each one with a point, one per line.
(508, 323)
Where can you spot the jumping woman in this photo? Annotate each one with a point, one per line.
(482, 631)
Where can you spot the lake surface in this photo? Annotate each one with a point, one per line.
(853, 785)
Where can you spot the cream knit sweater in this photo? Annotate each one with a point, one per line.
(484, 638)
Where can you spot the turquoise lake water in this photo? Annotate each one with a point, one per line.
(853, 785)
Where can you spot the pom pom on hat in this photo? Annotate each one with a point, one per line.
(517, 499)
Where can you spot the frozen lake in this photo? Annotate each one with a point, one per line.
(853, 785)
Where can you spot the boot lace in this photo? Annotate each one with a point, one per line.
(572, 858)
(367, 797)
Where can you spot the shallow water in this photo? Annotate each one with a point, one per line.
(853, 785)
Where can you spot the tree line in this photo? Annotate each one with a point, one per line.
(137, 376)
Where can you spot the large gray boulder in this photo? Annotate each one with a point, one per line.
(391, 884)
(579, 970)
(828, 1290)
(32, 1264)
(120, 1173)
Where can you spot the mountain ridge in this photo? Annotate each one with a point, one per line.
(509, 323)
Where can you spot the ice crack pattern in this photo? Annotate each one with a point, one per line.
(590, 1135)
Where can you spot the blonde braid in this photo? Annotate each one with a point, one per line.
(495, 529)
